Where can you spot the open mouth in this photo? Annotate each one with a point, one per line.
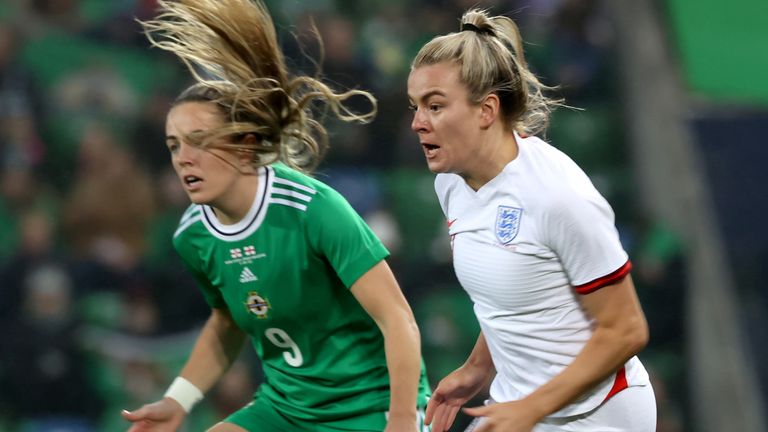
(192, 180)
(430, 149)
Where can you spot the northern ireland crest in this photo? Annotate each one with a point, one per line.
(507, 223)
(257, 305)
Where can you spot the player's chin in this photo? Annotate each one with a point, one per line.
(437, 167)
(198, 198)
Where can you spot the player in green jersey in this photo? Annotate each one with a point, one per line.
(280, 257)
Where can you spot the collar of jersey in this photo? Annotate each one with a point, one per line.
(251, 222)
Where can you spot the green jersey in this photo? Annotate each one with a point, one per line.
(284, 273)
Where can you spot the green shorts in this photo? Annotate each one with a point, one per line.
(261, 416)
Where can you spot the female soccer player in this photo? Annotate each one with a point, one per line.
(280, 257)
(534, 245)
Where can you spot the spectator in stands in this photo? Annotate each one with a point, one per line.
(110, 205)
(48, 359)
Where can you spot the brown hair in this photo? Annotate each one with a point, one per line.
(489, 51)
(236, 42)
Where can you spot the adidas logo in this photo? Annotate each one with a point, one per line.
(247, 276)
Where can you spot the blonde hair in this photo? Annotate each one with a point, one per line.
(489, 52)
(236, 42)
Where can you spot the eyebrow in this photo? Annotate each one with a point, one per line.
(173, 137)
(429, 94)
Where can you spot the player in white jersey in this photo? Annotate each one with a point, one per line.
(281, 258)
(534, 246)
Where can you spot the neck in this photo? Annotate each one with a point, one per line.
(494, 154)
(233, 208)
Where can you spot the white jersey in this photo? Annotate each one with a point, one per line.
(524, 245)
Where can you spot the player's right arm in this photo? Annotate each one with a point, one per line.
(216, 348)
(460, 386)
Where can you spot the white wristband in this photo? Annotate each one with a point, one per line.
(185, 393)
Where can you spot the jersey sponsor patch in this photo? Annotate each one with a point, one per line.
(244, 255)
(257, 305)
(507, 223)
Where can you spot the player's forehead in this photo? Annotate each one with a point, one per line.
(435, 79)
(193, 116)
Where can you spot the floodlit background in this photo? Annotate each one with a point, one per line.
(98, 314)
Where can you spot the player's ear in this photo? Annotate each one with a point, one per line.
(245, 152)
(489, 110)
(248, 140)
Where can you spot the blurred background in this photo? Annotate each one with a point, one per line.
(98, 313)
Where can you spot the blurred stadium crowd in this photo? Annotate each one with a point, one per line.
(97, 311)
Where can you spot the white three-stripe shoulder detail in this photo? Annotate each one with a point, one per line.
(291, 193)
(292, 184)
(192, 210)
(288, 203)
(186, 224)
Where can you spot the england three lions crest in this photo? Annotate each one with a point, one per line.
(507, 223)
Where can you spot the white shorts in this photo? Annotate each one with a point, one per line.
(631, 410)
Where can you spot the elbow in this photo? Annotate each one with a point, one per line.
(416, 332)
(636, 337)
(410, 328)
(628, 337)
(410, 331)
(400, 326)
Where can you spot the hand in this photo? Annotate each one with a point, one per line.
(402, 423)
(451, 393)
(504, 417)
(162, 416)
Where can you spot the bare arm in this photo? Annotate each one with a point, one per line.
(621, 331)
(480, 358)
(460, 386)
(216, 348)
(379, 294)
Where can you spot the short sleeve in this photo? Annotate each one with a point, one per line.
(580, 229)
(339, 234)
(189, 257)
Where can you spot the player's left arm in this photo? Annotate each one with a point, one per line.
(380, 295)
(620, 332)
(579, 227)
